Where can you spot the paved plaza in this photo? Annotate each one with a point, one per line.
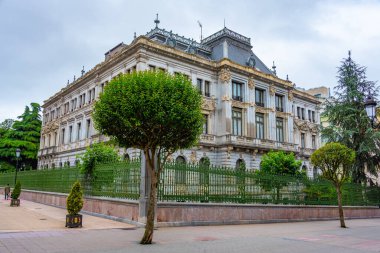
(34, 227)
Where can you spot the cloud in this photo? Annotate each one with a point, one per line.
(45, 43)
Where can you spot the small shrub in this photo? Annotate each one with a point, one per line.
(16, 191)
(74, 202)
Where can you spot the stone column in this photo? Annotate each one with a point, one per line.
(144, 191)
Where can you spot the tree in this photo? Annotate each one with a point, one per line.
(74, 201)
(276, 163)
(335, 161)
(24, 134)
(348, 121)
(155, 112)
(97, 153)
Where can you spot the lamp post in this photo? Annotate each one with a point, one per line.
(370, 108)
(18, 152)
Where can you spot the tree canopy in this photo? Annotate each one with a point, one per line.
(156, 112)
(23, 134)
(279, 162)
(348, 121)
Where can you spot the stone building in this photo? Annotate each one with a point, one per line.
(248, 109)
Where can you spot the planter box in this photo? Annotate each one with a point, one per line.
(15, 202)
(74, 221)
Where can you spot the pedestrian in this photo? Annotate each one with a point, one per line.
(7, 191)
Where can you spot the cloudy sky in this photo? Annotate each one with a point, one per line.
(43, 43)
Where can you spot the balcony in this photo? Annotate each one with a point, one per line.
(305, 151)
(47, 151)
(261, 104)
(249, 142)
(237, 98)
(207, 139)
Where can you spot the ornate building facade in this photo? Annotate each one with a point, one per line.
(248, 110)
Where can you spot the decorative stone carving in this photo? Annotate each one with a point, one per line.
(226, 98)
(272, 90)
(208, 105)
(290, 95)
(225, 75)
(193, 157)
(239, 104)
(262, 109)
(251, 83)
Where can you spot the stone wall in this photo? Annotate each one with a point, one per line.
(185, 214)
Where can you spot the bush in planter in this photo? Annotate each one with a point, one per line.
(16, 191)
(15, 194)
(74, 204)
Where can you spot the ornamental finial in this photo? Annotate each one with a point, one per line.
(157, 21)
(82, 72)
(274, 69)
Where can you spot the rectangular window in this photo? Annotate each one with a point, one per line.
(279, 103)
(298, 112)
(88, 128)
(313, 143)
(259, 125)
(259, 97)
(63, 136)
(79, 130)
(55, 138)
(236, 122)
(199, 85)
(70, 133)
(280, 129)
(313, 116)
(152, 67)
(205, 124)
(101, 88)
(207, 88)
(309, 115)
(93, 94)
(237, 91)
(302, 140)
(303, 113)
(83, 98)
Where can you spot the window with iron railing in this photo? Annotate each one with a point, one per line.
(237, 121)
(237, 91)
(280, 129)
(259, 97)
(279, 100)
(259, 125)
(207, 88)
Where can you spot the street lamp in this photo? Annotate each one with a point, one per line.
(370, 108)
(18, 152)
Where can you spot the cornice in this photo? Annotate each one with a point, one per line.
(151, 46)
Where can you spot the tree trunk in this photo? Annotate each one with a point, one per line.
(148, 235)
(341, 215)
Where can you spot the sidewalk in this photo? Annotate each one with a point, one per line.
(30, 216)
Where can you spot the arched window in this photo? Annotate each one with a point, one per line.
(204, 164)
(240, 176)
(240, 165)
(180, 160)
(126, 157)
(304, 168)
(180, 171)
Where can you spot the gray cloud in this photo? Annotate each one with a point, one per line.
(45, 43)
